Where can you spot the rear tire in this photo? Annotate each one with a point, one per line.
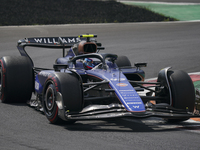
(183, 92)
(123, 61)
(16, 79)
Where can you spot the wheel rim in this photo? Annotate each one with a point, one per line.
(50, 100)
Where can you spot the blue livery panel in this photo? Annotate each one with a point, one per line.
(123, 89)
(41, 78)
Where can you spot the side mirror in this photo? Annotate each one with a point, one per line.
(138, 65)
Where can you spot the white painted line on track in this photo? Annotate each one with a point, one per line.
(194, 73)
(167, 3)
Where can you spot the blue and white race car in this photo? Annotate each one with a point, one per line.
(86, 84)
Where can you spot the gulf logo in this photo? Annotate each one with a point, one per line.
(122, 84)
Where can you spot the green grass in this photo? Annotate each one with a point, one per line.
(180, 12)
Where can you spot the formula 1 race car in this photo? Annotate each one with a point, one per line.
(85, 84)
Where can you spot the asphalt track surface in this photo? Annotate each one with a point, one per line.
(161, 45)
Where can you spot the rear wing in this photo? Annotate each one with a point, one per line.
(49, 42)
(54, 42)
(46, 42)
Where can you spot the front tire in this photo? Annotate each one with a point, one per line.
(183, 92)
(49, 105)
(72, 95)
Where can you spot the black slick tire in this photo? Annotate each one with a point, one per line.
(72, 95)
(123, 61)
(183, 92)
(16, 79)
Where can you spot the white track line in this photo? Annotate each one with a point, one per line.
(166, 3)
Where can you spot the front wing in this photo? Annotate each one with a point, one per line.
(95, 112)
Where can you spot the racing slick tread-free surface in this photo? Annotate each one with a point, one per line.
(16, 79)
(183, 93)
(72, 95)
(123, 61)
(71, 91)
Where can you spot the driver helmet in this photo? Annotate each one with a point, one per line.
(88, 63)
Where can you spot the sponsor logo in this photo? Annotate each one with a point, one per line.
(44, 74)
(55, 40)
(36, 85)
(134, 103)
(126, 90)
(136, 106)
(128, 98)
(115, 79)
(122, 84)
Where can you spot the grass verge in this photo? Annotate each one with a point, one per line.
(180, 12)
